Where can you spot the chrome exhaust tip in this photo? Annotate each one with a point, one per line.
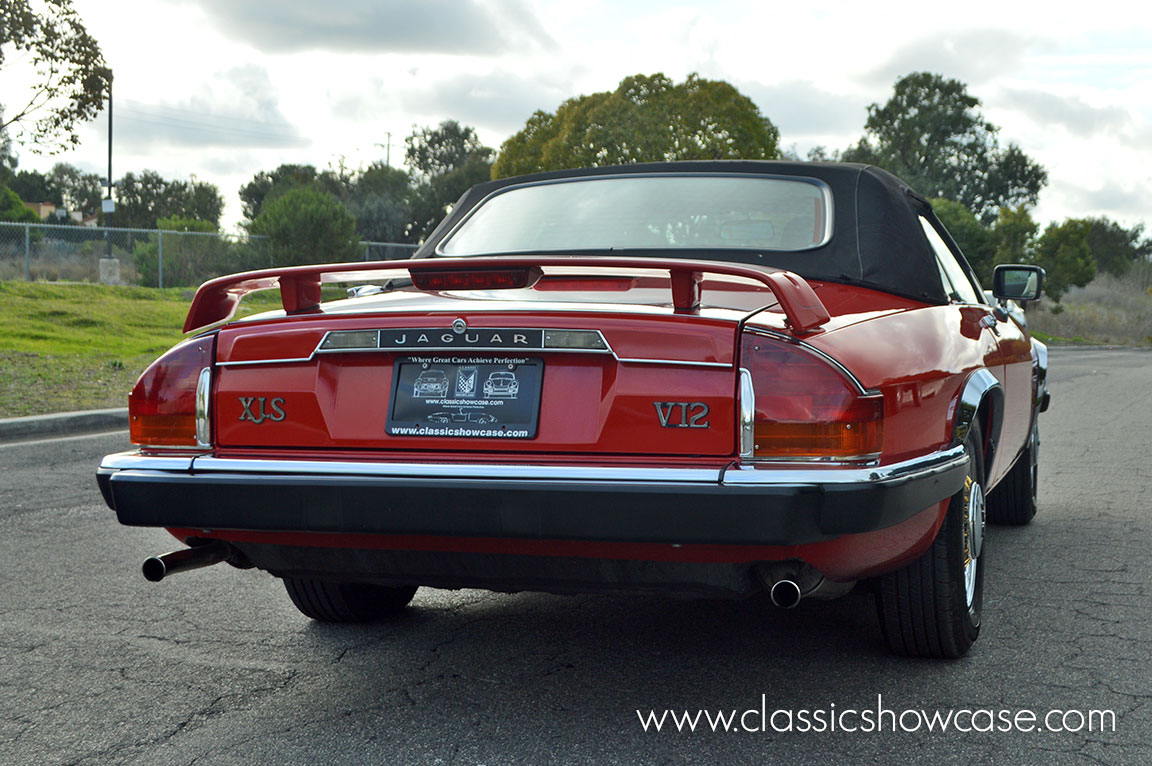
(785, 594)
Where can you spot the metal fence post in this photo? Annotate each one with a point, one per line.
(27, 252)
(160, 260)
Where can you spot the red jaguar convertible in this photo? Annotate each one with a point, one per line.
(720, 378)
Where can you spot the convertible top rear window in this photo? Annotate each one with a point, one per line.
(648, 212)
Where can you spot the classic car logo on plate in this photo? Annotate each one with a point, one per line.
(682, 414)
(265, 409)
(466, 381)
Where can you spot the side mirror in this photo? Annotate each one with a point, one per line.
(1016, 282)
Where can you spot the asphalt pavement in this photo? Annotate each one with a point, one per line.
(99, 666)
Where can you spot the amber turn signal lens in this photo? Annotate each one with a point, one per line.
(162, 407)
(854, 439)
(806, 407)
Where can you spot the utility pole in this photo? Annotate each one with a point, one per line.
(387, 150)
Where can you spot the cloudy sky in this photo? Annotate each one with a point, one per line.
(220, 89)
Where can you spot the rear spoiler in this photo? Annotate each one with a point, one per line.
(217, 299)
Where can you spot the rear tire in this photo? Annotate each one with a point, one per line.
(327, 601)
(931, 608)
(1013, 502)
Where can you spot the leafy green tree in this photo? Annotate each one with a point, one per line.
(976, 241)
(306, 225)
(931, 135)
(70, 78)
(1063, 252)
(79, 191)
(12, 208)
(144, 199)
(646, 119)
(443, 163)
(34, 186)
(380, 200)
(1014, 236)
(268, 185)
(1115, 248)
(436, 151)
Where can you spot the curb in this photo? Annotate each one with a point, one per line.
(63, 424)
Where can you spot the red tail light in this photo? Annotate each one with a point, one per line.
(169, 405)
(806, 408)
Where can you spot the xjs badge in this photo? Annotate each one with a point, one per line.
(274, 410)
(682, 414)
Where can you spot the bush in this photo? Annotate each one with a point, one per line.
(306, 225)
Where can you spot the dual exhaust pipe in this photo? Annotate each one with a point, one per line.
(157, 568)
(784, 592)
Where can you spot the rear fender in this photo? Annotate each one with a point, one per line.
(981, 397)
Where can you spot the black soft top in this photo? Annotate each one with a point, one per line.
(876, 240)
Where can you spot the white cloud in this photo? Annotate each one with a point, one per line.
(381, 26)
(1069, 112)
(973, 56)
(237, 109)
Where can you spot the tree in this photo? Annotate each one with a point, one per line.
(34, 186)
(974, 238)
(431, 152)
(306, 225)
(12, 208)
(443, 163)
(79, 191)
(266, 186)
(930, 134)
(8, 160)
(144, 199)
(70, 79)
(1116, 248)
(1014, 236)
(1063, 252)
(646, 119)
(379, 199)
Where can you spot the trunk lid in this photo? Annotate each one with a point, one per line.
(622, 383)
(545, 355)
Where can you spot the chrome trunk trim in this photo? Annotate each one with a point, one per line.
(747, 408)
(203, 408)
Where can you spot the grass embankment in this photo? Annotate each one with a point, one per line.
(1110, 311)
(67, 347)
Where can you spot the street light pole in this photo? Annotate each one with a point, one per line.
(109, 206)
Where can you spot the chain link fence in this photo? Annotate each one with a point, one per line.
(144, 257)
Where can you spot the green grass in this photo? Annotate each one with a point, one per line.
(1109, 311)
(1057, 340)
(67, 347)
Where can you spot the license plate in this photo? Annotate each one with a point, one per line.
(470, 397)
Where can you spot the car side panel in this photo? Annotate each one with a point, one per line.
(920, 360)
